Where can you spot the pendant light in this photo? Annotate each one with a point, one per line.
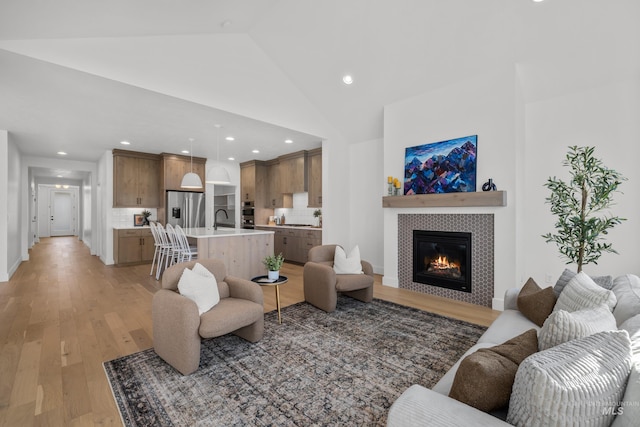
(190, 179)
(218, 174)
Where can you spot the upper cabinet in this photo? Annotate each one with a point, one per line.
(314, 166)
(175, 167)
(293, 172)
(136, 179)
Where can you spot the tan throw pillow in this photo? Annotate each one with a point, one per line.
(536, 303)
(484, 378)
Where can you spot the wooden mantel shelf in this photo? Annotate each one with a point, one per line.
(476, 199)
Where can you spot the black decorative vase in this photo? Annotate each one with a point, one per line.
(489, 186)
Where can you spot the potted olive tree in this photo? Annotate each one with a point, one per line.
(581, 205)
(273, 264)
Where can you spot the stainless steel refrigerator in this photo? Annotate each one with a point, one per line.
(185, 209)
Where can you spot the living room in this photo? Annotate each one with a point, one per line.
(536, 79)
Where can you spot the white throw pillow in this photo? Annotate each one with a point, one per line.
(576, 383)
(562, 326)
(627, 291)
(199, 288)
(629, 410)
(347, 264)
(632, 326)
(581, 292)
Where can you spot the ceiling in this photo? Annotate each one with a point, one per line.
(80, 76)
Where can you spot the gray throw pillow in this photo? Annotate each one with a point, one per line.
(604, 281)
(627, 290)
(576, 383)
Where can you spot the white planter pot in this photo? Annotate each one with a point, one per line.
(273, 275)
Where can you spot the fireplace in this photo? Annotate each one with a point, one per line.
(442, 258)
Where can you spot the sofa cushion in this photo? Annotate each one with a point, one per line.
(581, 292)
(627, 291)
(509, 324)
(230, 314)
(603, 281)
(536, 303)
(563, 326)
(419, 406)
(484, 378)
(199, 287)
(347, 264)
(629, 411)
(559, 386)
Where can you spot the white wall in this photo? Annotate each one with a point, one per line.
(104, 204)
(605, 117)
(4, 197)
(14, 207)
(365, 203)
(483, 106)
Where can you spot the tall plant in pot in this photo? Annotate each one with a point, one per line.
(273, 264)
(581, 205)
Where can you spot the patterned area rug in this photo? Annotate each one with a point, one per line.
(342, 368)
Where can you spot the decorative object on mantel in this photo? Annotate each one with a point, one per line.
(489, 185)
(475, 199)
(146, 214)
(576, 204)
(390, 184)
(273, 264)
(394, 186)
(441, 167)
(190, 179)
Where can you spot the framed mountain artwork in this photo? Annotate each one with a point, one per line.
(441, 167)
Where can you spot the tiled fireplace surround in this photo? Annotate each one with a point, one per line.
(482, 253)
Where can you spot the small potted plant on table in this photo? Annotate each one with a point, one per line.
(273, 264)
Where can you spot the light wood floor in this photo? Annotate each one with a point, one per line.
(64, 313)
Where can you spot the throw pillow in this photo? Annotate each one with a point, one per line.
(536, 303)
(199, 288)
(484, 378)
(627, 291)
(347, 264)
(563, 326)
(632, 326)
(629, 410)
(603, 281)
(572, 383)
(581, 292)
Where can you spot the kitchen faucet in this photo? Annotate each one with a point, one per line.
(215, 218)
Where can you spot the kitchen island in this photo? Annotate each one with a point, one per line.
(242, 250)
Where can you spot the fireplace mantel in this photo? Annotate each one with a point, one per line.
(471, 199)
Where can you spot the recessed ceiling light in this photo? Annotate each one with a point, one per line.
(288, 141)
(538, 1)
(226, 23)
(347, 79)
(230, 138)
(256, 151)
(185, 151)
(231, 158)
(125, 143)
(62, 153)
(58, 176)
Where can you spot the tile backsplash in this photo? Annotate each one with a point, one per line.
(300, 213)
(123, 217)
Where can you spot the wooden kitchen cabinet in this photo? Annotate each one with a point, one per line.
(248, 181)
(174, 168)
(293, 172)
(136, 179)
(275, 197)
(133, 246)
(294, 243)
(314, 165)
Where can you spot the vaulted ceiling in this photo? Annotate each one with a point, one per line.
(80, 76)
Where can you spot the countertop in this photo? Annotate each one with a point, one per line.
(203, 232)
(295, 227)
(130, 227)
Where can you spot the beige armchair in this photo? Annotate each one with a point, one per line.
(322, 284)
(178, 328)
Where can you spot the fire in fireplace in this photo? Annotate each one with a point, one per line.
(442, 258)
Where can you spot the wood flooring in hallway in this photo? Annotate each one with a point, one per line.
(64, 313)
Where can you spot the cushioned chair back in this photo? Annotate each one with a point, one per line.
(322, 254)
(171, 275)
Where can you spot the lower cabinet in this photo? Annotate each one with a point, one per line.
(133, 246)
(294, 243)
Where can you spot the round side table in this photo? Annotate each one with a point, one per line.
(265, 281)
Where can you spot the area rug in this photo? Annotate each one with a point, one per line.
(316, 368)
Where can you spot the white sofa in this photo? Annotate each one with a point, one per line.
(419, 405)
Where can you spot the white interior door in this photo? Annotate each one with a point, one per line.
(63, 213)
